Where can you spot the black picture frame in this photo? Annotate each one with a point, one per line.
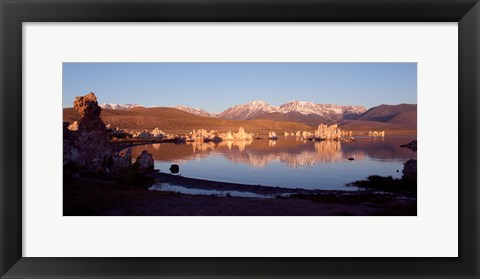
(14, 12)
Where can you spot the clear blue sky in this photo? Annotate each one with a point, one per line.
(218, 86)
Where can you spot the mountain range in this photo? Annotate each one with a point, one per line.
(402, 116)
(293, 111)
(118, 106)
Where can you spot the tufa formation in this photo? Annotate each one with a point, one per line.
(86, 147)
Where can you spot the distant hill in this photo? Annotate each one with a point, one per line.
(387, 117)
(384, 113)
(176, 121)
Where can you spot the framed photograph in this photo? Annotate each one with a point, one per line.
(239, 139)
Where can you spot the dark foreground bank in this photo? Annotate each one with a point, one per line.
(104, 198)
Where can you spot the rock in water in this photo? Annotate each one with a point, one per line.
(174, 168)
(411, 145)
(145, 162)
(272, 135)
(410, 170)
(325, 132)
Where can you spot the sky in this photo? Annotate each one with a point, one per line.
(218, 86)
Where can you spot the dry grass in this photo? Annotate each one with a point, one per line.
(175, 121)
(178, 122)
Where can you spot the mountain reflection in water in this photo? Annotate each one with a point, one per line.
(283, 162)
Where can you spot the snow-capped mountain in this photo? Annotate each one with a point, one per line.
(319, 109)
(294, 111)
(261, 109)
(118, 106)
(248, 111)
(196, 111)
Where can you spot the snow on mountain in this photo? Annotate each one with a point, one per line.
(118, 106)
(296, 111)
(260, 108)
(247, 111)
(196, 111)
(319, 109)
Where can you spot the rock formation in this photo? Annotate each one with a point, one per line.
(89, 111)
(145, 134)
(122, 162)
(410, 170)
(376, 133)
(73, 126)
(411, 145)
(174, 168)
(228, 136)
(307, 135)
(203, 135)
(325, 132)
(88, 148)
(157, 133)
(145, 162)
(272, 135)
(242, 135)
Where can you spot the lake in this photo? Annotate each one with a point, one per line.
(286, 162)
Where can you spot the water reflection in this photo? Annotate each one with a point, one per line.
(199, 146)
(284, 162)
(272, 143)
(166, 187)
(289, 151)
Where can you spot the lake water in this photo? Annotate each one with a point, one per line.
(286, 162)
(167, 187)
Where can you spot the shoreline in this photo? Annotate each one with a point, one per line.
(101, 199)
(203, 184)
(104, 198)
(108, 200)
(359, 134)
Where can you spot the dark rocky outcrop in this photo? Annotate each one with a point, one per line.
(87, 150)
(145, 162)
(88, 146)
(89, 111)
(411, 145)
(174, 168)
(410, 170)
